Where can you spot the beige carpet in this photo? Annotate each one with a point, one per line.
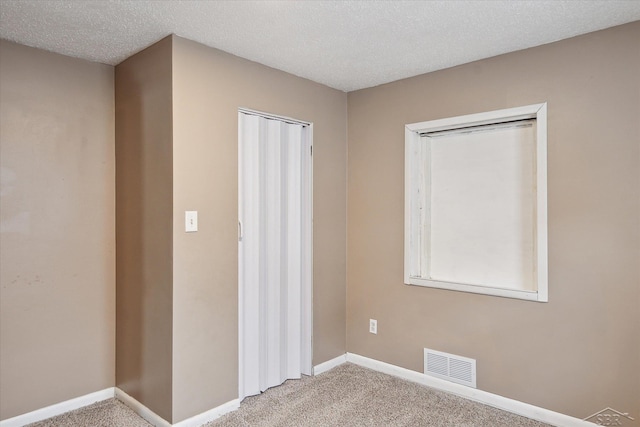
(349, 396)
(108, 413)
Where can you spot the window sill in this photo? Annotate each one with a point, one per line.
(478, 289)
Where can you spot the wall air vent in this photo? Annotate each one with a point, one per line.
(450, 367)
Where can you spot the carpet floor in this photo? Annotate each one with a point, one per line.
(108, 413)
(348, 395)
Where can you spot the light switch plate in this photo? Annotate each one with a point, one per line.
(190, 221)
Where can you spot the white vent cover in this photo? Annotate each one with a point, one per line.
(450, 367)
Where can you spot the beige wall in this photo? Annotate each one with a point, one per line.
(57, 299)
(176, 132)
(208, 88)
(578, 353)
(144, 219)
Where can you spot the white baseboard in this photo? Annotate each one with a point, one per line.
(480, 396)
(140, 409)
(158, 421)
(329, 364)
(484, 397)
(58, 408)
(210, 415)
(111, 392)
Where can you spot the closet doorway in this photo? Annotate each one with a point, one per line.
(274, 250)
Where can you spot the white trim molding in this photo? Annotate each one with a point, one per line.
(109, 393)
(195, 421)
(480, 396)
(329, 364)
(210, 415)
(146, 413)
(476, 395)
(58, 408)
(273, 116)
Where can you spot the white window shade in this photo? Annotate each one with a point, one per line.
(482, 202)
(475, 208)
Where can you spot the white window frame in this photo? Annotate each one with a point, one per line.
(412, 246)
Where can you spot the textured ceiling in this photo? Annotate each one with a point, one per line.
(347, 45)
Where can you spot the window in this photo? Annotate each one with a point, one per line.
(476, 203)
